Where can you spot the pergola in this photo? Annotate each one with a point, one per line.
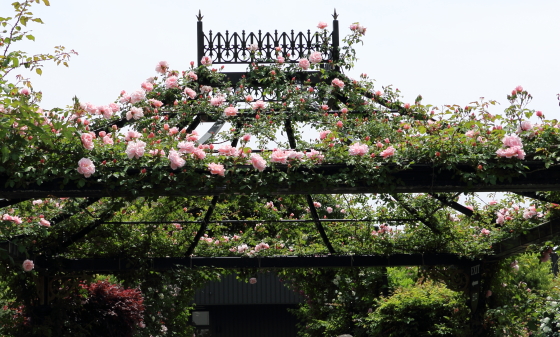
(429, 178)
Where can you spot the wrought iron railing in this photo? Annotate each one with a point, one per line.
(232, 48)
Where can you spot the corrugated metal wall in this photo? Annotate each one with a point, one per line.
(230, 291)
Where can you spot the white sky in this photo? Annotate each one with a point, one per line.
(448, 51)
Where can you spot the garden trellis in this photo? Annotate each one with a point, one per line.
(370, 143)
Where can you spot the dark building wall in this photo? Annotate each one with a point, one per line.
(237, 308)
(252, 321)
(229, 291)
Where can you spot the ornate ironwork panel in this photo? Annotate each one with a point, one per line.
(234, 48)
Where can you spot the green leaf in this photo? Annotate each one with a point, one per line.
(5, 153)
(30, 37)
(38, 71)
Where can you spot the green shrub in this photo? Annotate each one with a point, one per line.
(428, 309)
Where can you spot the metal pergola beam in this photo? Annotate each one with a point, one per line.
(519, 244)
(109, 265)
(419, 178)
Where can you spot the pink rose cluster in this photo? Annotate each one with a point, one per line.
(106, 110)
(356, 27)
(338, 83)
(322, 25)
(531, 212)
(514, 148)
(503, 215)
(15, 219)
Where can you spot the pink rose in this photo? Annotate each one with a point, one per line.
(162, 67)
(485, 231)
(193, 137)
(322, 25)
(189, 92)
(280, 59)
(258, 162)
(329, 210)
(137, 96)
(315, 57)
(337, 83)
(388, 152)
(253, 280)
(107, 140)
(512, 140)
(87, 141)
(228, 150)
(253, 47)
(199, 153)
(114, 106)
(86, 167)
(315, 155)
(155, 103)
(357, 149)
(217, 101)
(175, 160)
(230, 111)
(207, 61)
(171, 82)
(304, 63)
(186, 147)
(519, 88)
(191, 75)
(526, 126)
(28, 265)
(295, 155)
(173, 131)
(216, 169)
(45, 223)
(278, 156)
(135, 113)
(147, 86)
(324, 134)
(135, 149)
(248, 98)
(246, 137)
(131, 134)
(259, 105)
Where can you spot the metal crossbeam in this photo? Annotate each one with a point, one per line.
(333, 261)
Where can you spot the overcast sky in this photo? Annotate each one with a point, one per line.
(451, 52)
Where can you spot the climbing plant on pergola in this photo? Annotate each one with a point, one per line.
(301, 166)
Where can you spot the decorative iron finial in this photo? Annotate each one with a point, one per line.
(199, 16)
(335, 16)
